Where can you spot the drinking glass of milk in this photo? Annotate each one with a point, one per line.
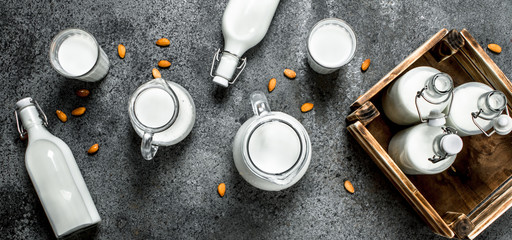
(162, 113)
(331, 45)
(271, 150)
(76, 54)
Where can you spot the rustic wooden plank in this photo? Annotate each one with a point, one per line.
(483, 62)
(399, 179)
(364, 114)
(399, 69)
(490, 210)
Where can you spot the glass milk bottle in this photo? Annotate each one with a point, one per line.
(416, 94)
(271, 150)
(54, 173)
(426, 148)
(244, 24)
(477, 108)
(162, 113)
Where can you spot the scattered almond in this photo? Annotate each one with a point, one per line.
(494, 47)
(164, 64)
(221, 189)
(306, 107)
(62, 116)
(365, 65)
(78, 111)
(290, 73)
(272, 84)
(93, 149)
(121, 50)
(348, 186)
(82, 92)
(163, 42)
(156, 73)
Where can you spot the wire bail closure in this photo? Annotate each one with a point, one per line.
(19, 125)
(436, 158)
(240, 68)
(475, 115)
(419, 94)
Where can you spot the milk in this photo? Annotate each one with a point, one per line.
(55, 175)
(399, 100)
(330, 45)
(274, 147)
(244, 24)
(154, 107)
(411, 149)
(77, 54)
(465, 102)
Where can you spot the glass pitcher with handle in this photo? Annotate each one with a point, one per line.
(162, 113)
(271, 150)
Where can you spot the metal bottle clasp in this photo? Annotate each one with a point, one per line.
(475, 115)
(437, 158)
(21, 130)
(240, 68)
(419, 94)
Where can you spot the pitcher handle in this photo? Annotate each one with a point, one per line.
(147, 149)
(259, 103)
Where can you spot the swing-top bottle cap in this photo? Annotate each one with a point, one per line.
(451, 144)
(220, 81)
(502, 124)
(24, 102)
(436, 119)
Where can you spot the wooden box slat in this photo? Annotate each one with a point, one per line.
(462, 201)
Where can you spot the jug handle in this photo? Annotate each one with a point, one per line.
(147, 149)
(259, 103)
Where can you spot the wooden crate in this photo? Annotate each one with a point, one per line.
(465, 199)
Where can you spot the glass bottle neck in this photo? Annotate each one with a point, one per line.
(438, 88)
(491, 104)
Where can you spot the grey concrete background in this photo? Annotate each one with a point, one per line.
(174, 196)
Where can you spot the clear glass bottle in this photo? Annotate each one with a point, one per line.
(244, 24)
(271, 150)
(477, 108)
(416, 94)
(54, 174)
(425, 148)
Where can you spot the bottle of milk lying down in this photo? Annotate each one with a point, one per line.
(54, 174)
(477, 108)
(416, 94)
(426, 148)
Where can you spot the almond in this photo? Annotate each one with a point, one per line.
(82, 92)
(121, 50)
(290, 73)
(93, 149)
(164, 64)
(163, 42)
(62, 116)
(348, 186)
(78, 111)
(272, 84)
(365, 65)
(494, 47)
(156, 73)
(221, 189)
(306, 107)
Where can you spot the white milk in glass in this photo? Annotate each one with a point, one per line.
(78, 54)
(331, 44)
(274, 147)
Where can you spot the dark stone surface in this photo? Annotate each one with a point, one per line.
(174, 196)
